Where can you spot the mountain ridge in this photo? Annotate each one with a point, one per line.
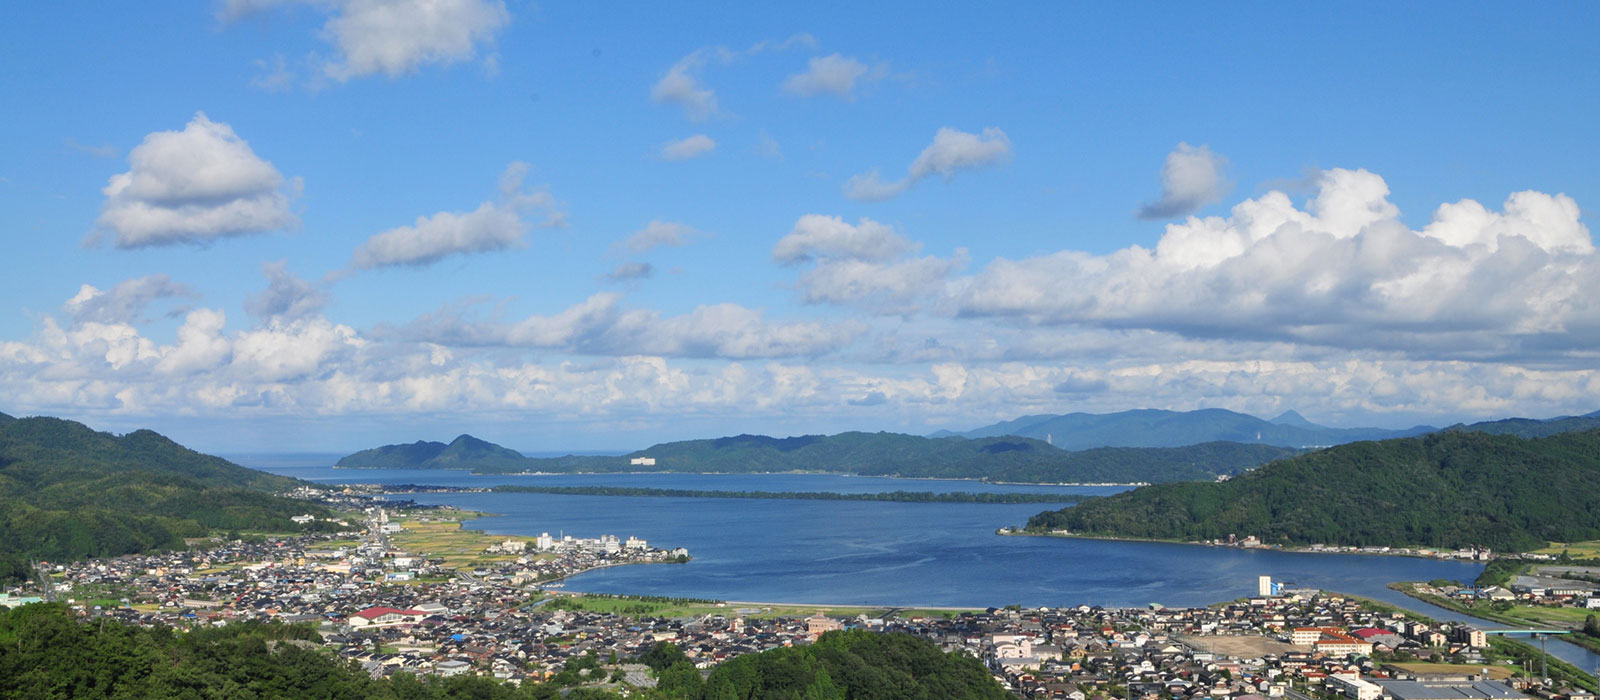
(1151, 427)
(871, 454)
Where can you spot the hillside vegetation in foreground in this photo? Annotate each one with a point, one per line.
(69, 492)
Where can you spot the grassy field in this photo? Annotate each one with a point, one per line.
(1516, 616)
(641, 608)
(1496, 672)
(1578, 550)
(460, 549)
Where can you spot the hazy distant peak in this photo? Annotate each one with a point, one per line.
(1292, 417)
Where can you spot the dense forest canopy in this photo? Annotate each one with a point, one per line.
(1449, 489)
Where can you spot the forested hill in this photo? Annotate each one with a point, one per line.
(69, 492)
(1449, 489)
(465, 452)
(869, 454)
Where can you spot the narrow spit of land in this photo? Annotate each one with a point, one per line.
(891, 496)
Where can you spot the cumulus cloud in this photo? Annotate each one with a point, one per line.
(686, 148)
(656, 234)
(952, 151)
(600, 325)
(867, 264)
(816, 235)
(392, 37)
(1343, 272)
(702, 363)
(681, 85)
(835, 75)
(194, 186)
(125, 302)
(1190, 179)
(286, 297)
(496, 225)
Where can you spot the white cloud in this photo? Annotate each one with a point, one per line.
(644, 365)
(656, 234)
(286, 296)
(201, 344)
(896, 287)
(194, 186)
(681, 86)
(392, 37)
(493, 226)
(126, 302)
(601, 326)
(833, 74)
(1190, 179)
(1344, 272)
(818, 236)
(686, 148)
(396, 37)
(952, 151)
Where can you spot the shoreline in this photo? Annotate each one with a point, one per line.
(1008, 532)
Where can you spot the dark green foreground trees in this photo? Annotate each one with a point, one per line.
(46, 653)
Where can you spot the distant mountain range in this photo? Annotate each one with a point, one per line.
(869, 454)
(1157, 428)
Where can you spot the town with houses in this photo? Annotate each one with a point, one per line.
(392, 611)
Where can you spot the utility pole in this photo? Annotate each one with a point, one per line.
(1544, 658)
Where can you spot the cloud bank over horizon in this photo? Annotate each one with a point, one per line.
(1342, 309)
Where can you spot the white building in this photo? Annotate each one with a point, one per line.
(1264, 586)
(545, 542)
(642, 461)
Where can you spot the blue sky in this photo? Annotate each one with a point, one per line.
(286, 224)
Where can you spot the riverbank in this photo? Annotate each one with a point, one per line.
(1577, 638)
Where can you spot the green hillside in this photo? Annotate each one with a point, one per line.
(1449, 489)
(869, 454)
(69, 492)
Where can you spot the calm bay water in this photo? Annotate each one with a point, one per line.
(872, 553)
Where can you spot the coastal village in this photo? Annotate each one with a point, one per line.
(390, 610)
